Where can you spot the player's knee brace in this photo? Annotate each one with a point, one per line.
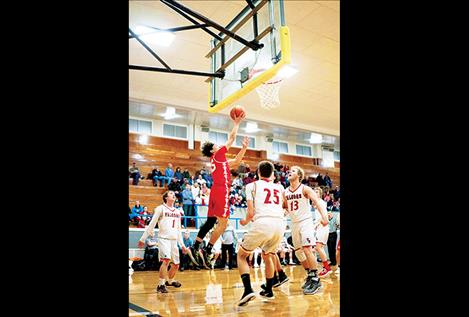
(300, 254)
(207, 226)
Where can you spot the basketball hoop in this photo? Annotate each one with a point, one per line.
(269, 91)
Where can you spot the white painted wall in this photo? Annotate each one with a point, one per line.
(261, 143)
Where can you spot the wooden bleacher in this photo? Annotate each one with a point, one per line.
(161, 151)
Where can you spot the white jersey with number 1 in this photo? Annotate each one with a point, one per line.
(169, 223)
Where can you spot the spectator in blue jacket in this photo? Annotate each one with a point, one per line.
(168, 173)
(137, 210)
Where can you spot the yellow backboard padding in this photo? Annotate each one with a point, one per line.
(285, 47)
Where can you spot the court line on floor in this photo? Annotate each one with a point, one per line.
(141, 311)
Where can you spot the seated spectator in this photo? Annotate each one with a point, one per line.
(151, 253)
(241, 169)
(248, 179)
(142, 218)
(337, 192)
(137, 210)
(186, 262)
(327, 181)
(186, 174)
(178, 174)
(176, 188)
(157, 176)
(201, 181)
(168, 173)
(237, 182)
(336, 205)
(331, 200)
(134, 173)
(320, 180)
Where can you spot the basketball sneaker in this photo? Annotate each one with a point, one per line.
(312, 286)
(267, 295)
(275, 282)
(161, 289)
(246, 298)
(282, 279)
(325, 272)
(305, 281)
(173, 283)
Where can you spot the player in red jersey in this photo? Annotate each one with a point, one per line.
(219, 203)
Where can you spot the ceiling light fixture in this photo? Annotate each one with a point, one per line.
(287, 71)
(170, 113)
(152, 36)
(315, 138)
(251, 127)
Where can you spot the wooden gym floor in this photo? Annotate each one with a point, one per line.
(198, 295)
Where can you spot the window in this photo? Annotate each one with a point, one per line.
(239, 141)
(280, 147)
(174, 131)
(219, 138)
(337, 155)
(303, 150)
(140, 126)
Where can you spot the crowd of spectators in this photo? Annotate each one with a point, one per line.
(194, 189)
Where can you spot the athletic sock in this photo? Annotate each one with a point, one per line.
(162, 280)
(268, 284)
(247, 283)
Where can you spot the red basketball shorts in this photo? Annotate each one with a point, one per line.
(219, 202)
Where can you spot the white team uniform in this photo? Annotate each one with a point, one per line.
(322, 231)
(268, 223)
(169, 233)
(299, 210)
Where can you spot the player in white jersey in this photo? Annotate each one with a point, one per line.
(265, 201)
(297, 198)
(169, 235)
(322, 232)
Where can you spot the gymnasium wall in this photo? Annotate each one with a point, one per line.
(260, 141)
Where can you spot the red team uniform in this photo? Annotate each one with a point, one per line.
(219, 202)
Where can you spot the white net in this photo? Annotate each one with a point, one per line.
(269, 94)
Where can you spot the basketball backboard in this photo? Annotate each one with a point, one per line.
(245, 68)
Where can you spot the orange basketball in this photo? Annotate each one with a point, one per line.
(237, 111)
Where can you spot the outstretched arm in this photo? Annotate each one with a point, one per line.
(232, 135)
(150, 228)
(311, 194)
(240, 155)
